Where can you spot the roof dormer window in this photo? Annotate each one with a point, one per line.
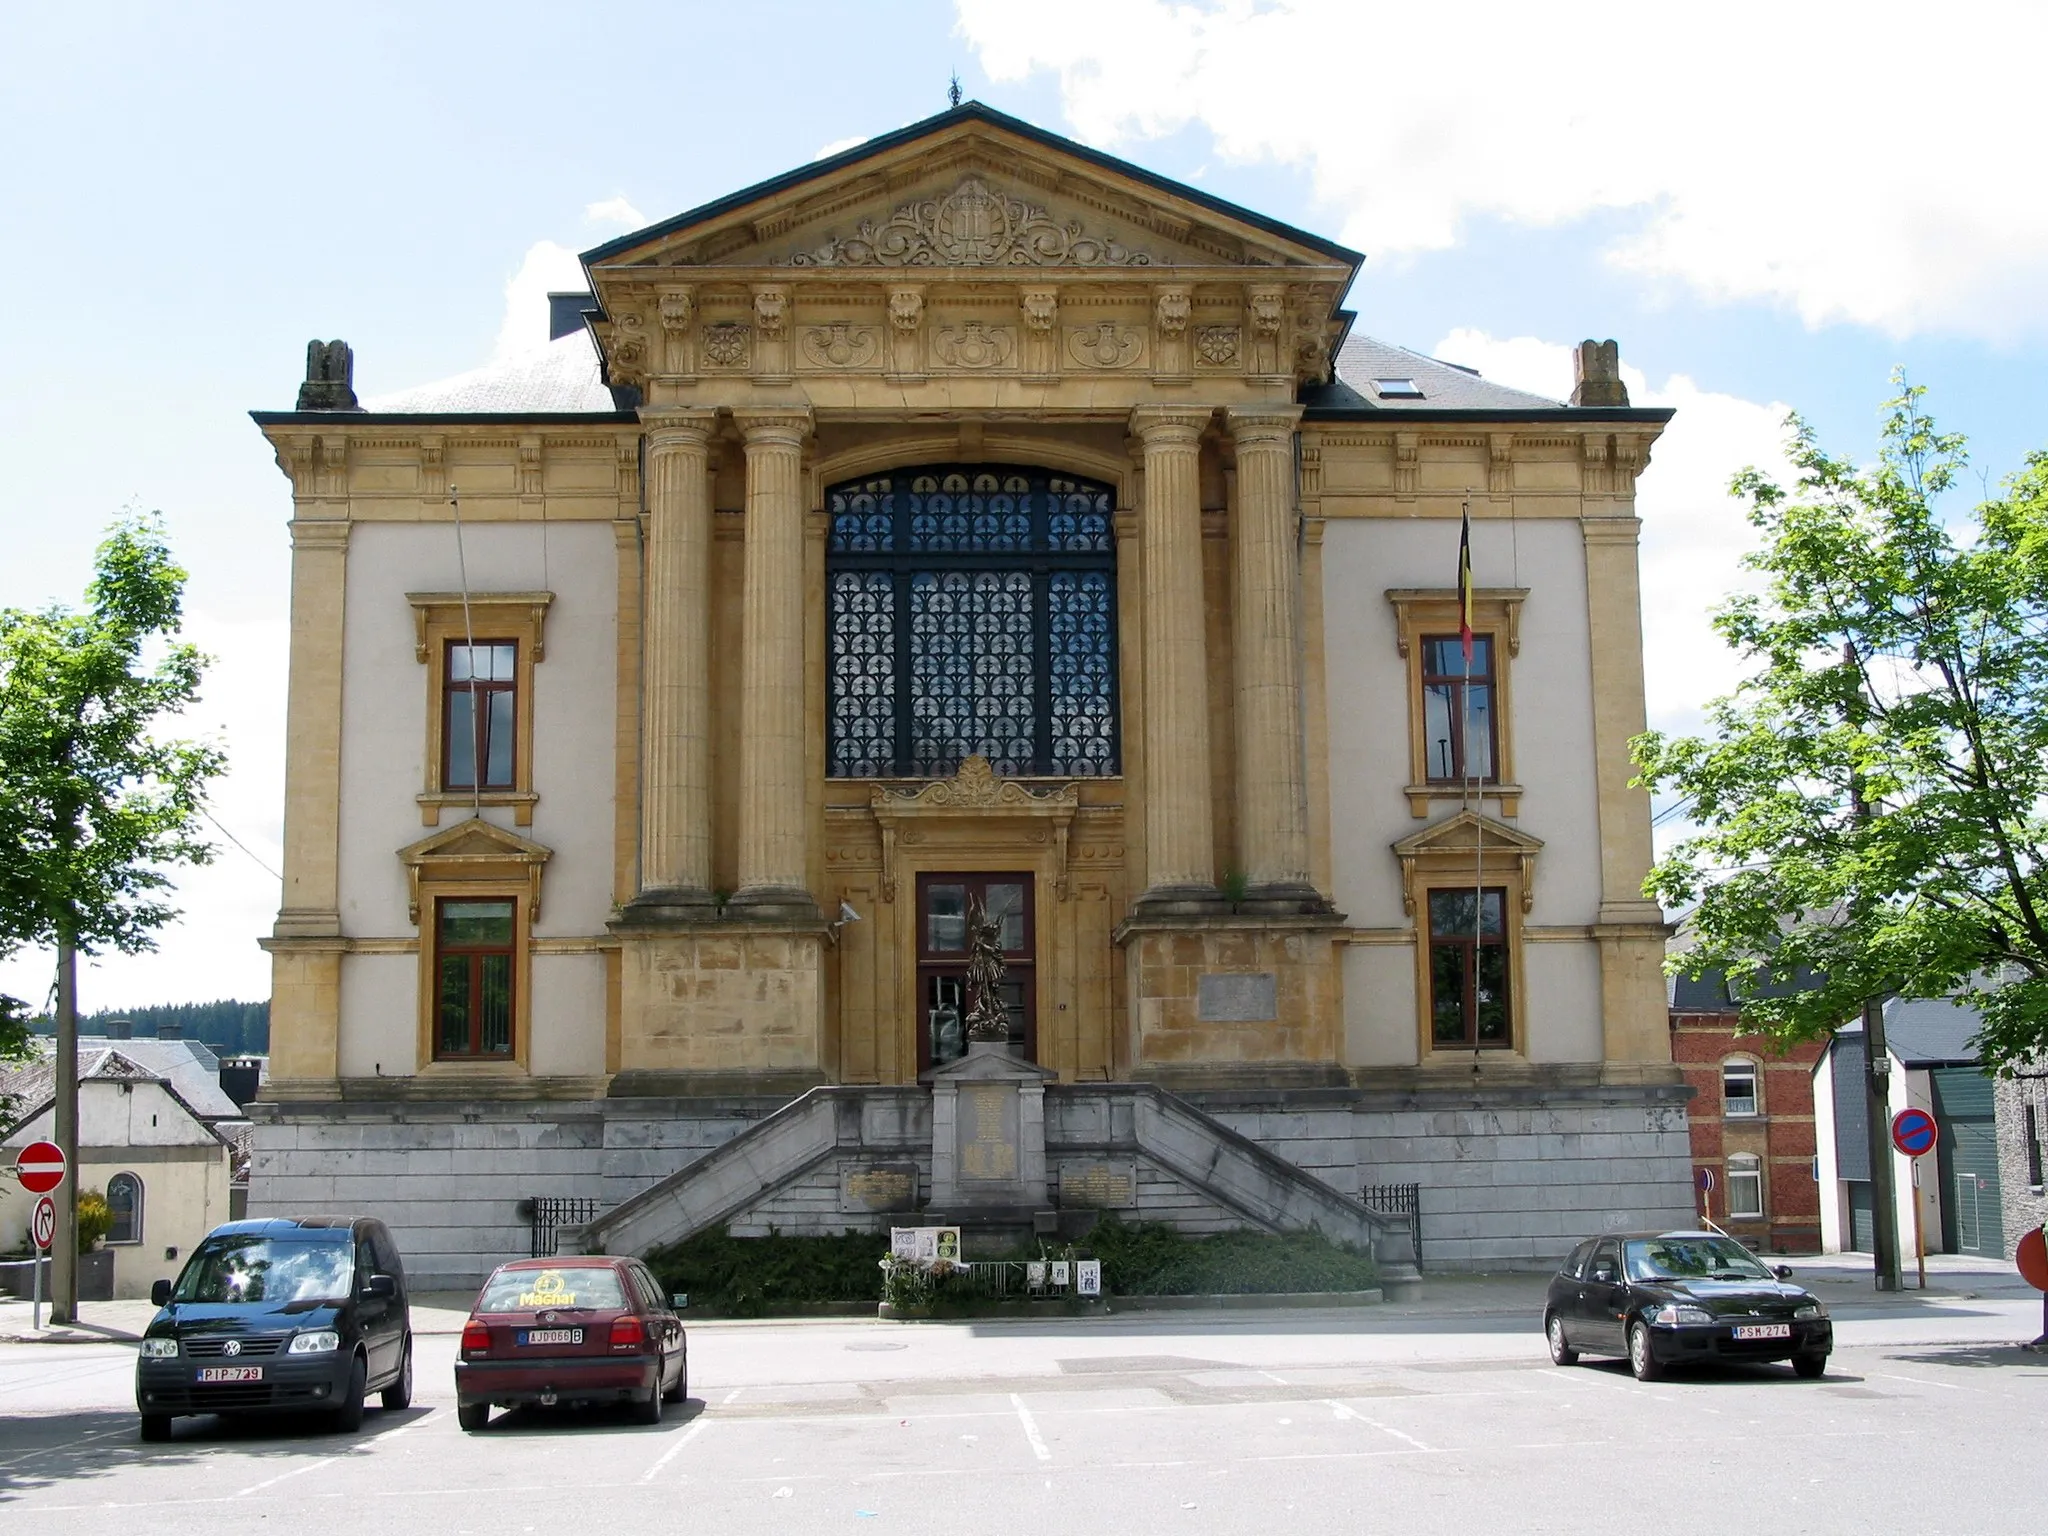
(1397, 389)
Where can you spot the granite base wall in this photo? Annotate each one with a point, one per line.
(1504, 1185)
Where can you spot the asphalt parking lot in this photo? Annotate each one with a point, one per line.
(1379, 1419)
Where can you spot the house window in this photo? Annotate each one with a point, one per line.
(1738, 1088)
(1457, 710)
(971, 610)
(473, 973)
(1468, 968)
(481, 704)
(124, 1199)
(2033, 1145)
(1745, 1185)
(1460, 718)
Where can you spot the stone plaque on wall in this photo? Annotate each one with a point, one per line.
(986, 1133)
(1236, 998)
(878, 1186)
(1101, 1186)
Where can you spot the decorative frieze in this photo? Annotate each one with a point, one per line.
(974, 225)
(678, 308)
(906, 332)
(1217, 346)
(1040, 308)
(842, 345)
(728, 345)
(1105, 345)
(974, 344)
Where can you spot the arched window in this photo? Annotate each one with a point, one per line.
(972, 610)
(124, 1199)
(1745, 1185)
(1739, 1088)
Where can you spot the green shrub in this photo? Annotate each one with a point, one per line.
(746, 1276)
(95, 1219)
(1152, 1259)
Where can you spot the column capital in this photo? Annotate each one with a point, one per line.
(1263, 424)
(784, 425)
(668, 426)
(1169, 425)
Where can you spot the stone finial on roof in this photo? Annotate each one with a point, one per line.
(330, 378)
(1596, 366)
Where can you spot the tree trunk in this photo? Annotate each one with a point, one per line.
(64, 1249)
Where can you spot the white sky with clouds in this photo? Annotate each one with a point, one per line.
(1765, 204)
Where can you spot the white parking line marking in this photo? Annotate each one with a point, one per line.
(1921, 1381)
(311, 1466)
(1345, 1411)
(1038, 1446)
(669, 1455)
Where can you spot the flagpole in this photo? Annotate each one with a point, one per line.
(1475, 786)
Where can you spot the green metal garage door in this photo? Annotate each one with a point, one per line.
(1862, 1224)
(1963, 1101)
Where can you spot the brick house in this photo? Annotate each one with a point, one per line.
(1752, 1120)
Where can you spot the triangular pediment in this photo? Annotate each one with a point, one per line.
(971, 189)
(1468, 832)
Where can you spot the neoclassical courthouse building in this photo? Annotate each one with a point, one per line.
(969, 517)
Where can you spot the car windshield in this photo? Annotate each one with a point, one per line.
(256, 1266)
(1692, 1258)
(562, 1287)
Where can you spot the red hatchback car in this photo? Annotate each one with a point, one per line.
(571, 1331)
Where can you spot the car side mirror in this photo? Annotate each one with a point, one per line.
(160, 1294)
(1782, 1271)
(379, 1288)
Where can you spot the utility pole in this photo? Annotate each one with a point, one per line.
(64, 1248)
(1877, 1082)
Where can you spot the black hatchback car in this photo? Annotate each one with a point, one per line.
(288, 1314)
(1660, 1299)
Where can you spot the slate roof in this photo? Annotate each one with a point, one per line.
(1932, 1032)
(1444, 386)
(187, 1067)
(554, 379)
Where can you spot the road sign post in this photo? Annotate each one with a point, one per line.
(40, 1167)
(1915, 1134)
(1705, 1180)
(43, 1229)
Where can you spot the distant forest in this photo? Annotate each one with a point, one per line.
(231, 1028)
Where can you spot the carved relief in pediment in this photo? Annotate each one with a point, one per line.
(974, 225)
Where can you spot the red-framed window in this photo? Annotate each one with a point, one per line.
(480, 702)
(473, 955)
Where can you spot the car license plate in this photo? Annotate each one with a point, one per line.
(231, 1373)
(551, 1336)
(1763, 1330)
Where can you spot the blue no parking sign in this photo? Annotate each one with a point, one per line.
(1914, 1132)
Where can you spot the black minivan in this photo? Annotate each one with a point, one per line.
(285, 1314)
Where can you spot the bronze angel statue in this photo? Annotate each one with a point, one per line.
(987, 1020)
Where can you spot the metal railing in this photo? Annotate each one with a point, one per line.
(547, 1212)
(1397, 1200)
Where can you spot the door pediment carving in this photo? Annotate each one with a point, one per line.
(974, 794)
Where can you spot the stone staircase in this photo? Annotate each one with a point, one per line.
(1191, 1170)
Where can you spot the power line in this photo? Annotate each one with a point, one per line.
(224, 832)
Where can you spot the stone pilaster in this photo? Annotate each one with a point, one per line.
(1272, 806)
(773, 817)
(1179, 827)
(675, 817)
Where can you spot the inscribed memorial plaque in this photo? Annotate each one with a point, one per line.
(1237, 998)
(986, 1133)
(1101, 1186)
(878, 1187)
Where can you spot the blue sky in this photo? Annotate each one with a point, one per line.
(1763, 211)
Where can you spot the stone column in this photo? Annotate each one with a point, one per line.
(773, 814)
(1272, 810)
(675, 784)
(1179, 836)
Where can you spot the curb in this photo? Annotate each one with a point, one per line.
(1249, 1301)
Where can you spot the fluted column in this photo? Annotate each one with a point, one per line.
(1179, 835)
(772, 816)
(1272, 808)
(675, 786)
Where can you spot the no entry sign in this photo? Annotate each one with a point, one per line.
(40, 1167)
(1914, 1132)
(44, 1228)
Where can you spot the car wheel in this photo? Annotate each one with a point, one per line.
(1641, 1359)
(648, 1409)
(1561, 1353)
(473, 1416)
(399, 1393)
(1808, 1367)
(348, 1413)
(156, 1427)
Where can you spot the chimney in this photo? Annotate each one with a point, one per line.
(1597, 366)
(566, 312)
(170, 1031)
(330, 378)
(118, 1029)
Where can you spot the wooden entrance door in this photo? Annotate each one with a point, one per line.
(942, 1000)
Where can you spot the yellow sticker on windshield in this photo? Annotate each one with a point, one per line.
(548, 1291)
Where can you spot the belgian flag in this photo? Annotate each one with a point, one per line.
(1465, 585)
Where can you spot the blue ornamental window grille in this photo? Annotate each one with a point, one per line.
(973, 611)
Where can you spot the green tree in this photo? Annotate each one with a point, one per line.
(96, 806)
(1870, 800)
